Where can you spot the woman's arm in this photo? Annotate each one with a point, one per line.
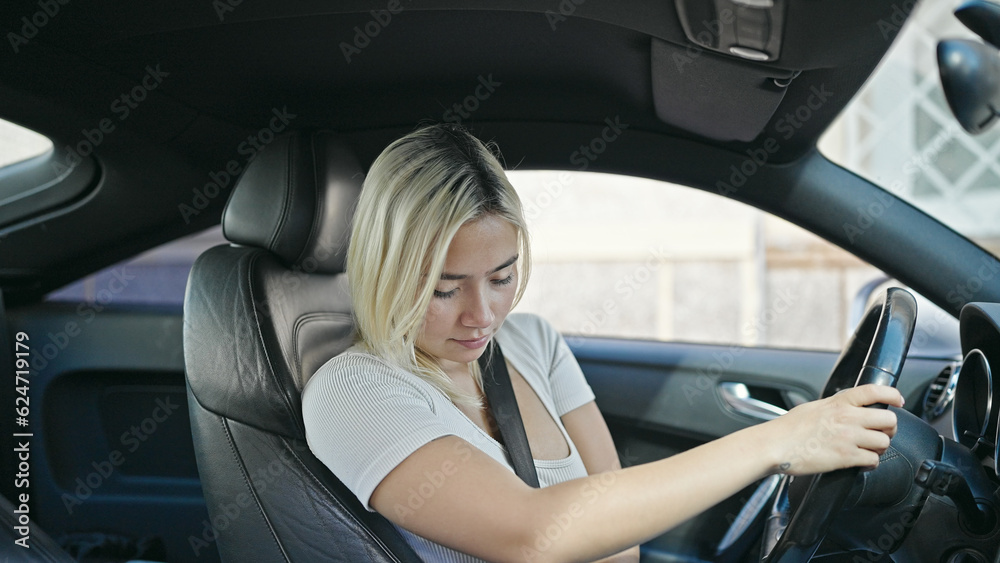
(456, 495)
(589, 432)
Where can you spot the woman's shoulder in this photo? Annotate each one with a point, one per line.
(356, 379)
(529, 332)
(528, 324)
(353, 366)
(349, 360)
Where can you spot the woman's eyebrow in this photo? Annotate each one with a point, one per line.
(448, 277)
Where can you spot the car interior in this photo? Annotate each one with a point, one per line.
(172, 431)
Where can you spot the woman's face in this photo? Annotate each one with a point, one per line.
(474, 294)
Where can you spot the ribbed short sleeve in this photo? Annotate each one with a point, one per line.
(569, 387)
(533, 338)
(363, 418)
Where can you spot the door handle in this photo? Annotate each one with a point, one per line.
(737, 397)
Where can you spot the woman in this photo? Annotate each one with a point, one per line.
(438, 257)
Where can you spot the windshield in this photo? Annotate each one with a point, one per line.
(899, 132)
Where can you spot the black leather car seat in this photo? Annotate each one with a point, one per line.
(261, 315)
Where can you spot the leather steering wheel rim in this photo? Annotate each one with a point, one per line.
(874, 354)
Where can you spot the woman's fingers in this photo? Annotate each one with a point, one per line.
(875, 426)
(871, 445)
(867, 461)
(871, 394)
(840, 431)
(882, 420)
(874, 441)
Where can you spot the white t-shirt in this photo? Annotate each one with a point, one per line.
(363, 417)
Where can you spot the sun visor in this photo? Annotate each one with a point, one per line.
(715, 96)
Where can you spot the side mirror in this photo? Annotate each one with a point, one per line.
(970, 76)
(983, 18)
(970, 71)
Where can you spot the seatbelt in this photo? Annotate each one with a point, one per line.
(500, 394)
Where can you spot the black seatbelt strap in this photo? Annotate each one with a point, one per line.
(500, 394)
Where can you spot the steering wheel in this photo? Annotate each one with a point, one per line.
(874, 354)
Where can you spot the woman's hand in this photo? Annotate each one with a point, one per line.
(835, 432)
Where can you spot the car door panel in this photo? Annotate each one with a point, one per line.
(111, 445)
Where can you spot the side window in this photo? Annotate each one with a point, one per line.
(18, 144)
(630, 258)
(635, 258)
(32, 179)
(157, 277)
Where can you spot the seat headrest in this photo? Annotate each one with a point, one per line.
(296, 199)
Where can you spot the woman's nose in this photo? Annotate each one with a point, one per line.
(478, 312)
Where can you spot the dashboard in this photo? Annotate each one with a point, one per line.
(939, 485)
(964, 403)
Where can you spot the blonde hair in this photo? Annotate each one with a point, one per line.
(418, 193)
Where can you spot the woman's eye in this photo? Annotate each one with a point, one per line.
(446, 294)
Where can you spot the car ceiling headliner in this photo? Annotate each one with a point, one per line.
(225, 76)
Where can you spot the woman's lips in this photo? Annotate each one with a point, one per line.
(476, 343)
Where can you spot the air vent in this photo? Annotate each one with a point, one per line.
(940, 393)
